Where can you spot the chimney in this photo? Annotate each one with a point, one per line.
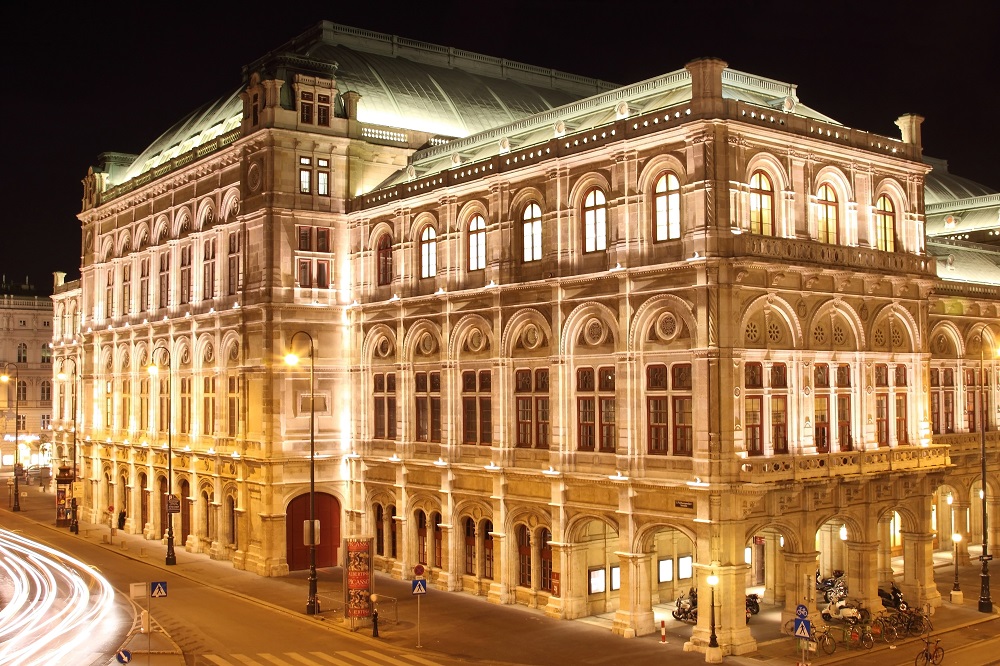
(351, 100)
(706, 82)
(58, 278)
(909, 127)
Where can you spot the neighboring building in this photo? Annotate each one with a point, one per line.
(25, 349)
(575, 346)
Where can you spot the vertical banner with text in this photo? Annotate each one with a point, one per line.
(357, 576)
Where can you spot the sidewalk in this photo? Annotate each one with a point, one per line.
(461, 627)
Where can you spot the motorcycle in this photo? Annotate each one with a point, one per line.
(892, 598)
(686, 608)
(753, 604)
(846, 611)
(832, 587)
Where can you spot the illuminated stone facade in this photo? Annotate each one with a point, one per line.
(578, 359)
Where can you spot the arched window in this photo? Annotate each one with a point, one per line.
(470, 547)
(826, 214)
(761, 204)
(532, 225)
(46, 395)
(545, 539)
(22, 352)
(667, 207)
(885, 225)
(383, 258)
(421, 537)
(22, 390)
(523, 556)
(477, 243)
(428, 253)
(595, 221)
(46, 352)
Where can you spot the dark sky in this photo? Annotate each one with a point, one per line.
(113, 76)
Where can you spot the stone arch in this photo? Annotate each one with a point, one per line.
(373, 346)
(420, 222)
(771, 165)
(849, 314)
(646, 534)
(470, 209)
(414, 344)
(835, 177)
(464, 329)
(107, 249)
(910, 522)
(576, 523)
(793, 540)
(586, 181)
(206, 214)
(230, 204)
(182, 222)
(230, 349)
(161, 230)
(205, 356)
(124, 244)
(898, 315)
(657, 166)
(855, 528)
(891, 188)
(474, 508)
(771, 304)
(530, 516)
(581, 316)
(647, 314)
(140, 238)
(975, 336)
(945, 340)
(516, 327)
(522, 198)
(427, 502)
(378, 229)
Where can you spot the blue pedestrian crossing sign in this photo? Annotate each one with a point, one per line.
(419, 586)
(158, 590)
(801, 628)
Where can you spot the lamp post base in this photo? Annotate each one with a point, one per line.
(957, 597)
(985, 603)
(713, 655)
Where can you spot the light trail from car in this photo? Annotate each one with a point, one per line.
(56, 604)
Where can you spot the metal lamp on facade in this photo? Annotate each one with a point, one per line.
(154, 369)
(293, 359)
(74, 523)
(713, 640)
(5, 377)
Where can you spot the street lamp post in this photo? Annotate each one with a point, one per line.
(713, 640)
(74, 524)
(154, 369)
(956, 538)
(17, 422)
(985, 603)
(292, 359)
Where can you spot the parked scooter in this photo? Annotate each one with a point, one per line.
(686, 608)
(846, 611)
(753, 603)
(893, 598)
(832, 587)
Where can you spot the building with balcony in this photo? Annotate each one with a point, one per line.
(26, 358)
(572, 345)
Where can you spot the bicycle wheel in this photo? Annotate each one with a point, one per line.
(923, 659)
(889, 633)
(826, 643)
(789, 627)
(916, 625)
(938, 656)
(867, 640)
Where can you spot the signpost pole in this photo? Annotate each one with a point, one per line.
(418, 621)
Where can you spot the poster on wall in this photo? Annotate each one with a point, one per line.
(357, 576)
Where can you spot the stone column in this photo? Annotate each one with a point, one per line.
(774, 569)
(634, 616)
(918, 585)
(800, 583)
(862, 565)
(731, 630)
(885, 574)
(960, 524)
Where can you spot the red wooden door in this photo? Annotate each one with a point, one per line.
(328, 515)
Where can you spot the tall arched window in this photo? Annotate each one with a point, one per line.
(885, 225)
(383, 258)
(595, 221)
(477, 243)
(667, 207)
(46, 395)
(761, 204)
(532, 225)
(428, 253)
(22, 352)
(826, 214)
(22, 390)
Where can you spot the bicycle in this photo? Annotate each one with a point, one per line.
(928, 655)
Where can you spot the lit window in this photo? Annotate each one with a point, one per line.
(306, 107)
(323, 111)
(305, 174)
(208, 270)
(477, 243)
(595, 221)
(826, 214)
(667, 207)
(761, 204)
(885, 225)
(185, 275)
(532, 233)
(383, 258)
(428, 253)
(323, 176)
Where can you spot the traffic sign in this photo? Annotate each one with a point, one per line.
(158, 589)
(986, 558)
(801, 628)
(173, 503)
(419, 586)
(418, 570)
(801, 611)
(123, 656)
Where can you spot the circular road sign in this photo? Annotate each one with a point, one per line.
(801, 611)
(418, 570)
(123, 656)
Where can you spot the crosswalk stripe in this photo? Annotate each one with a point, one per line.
(295, 656)
(329, 659)
(387, 659)
(274, 660)
(421, 660)
(244, 659)
(217, 660)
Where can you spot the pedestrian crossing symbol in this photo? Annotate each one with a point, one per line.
(419, 586)
(802, 628)
(158, 589)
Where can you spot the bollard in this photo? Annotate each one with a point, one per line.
(663, 631)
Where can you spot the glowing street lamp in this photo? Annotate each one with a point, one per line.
(5, 377)
(985, 603)
(293, 359)
(153, 370)
(74, 524)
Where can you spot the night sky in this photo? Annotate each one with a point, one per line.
(112, 76)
